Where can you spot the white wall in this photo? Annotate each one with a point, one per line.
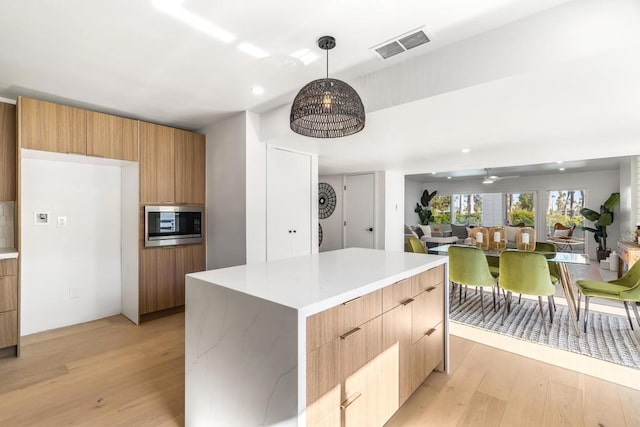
(627, 214)
(332, 227)
(598, 186)
(226, 192)
(412, 194)
(394, 212)
(256, 192)
(83, 256)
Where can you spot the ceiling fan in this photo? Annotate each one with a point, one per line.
(490, 179)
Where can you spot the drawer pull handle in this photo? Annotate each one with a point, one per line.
(430, 332)
(344, 405)
(432, 288)
(407, 302)
(351, 300)
(351, 332)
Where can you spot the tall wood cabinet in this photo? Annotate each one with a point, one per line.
(172, 171)
(366, 357)
(172, 166)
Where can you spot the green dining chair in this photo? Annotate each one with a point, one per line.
(416, 245)
(625, 289)
(549, 248)
(526, 273)
(468, 267)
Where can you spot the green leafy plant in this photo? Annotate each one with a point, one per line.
(422, 209)
(601, 220)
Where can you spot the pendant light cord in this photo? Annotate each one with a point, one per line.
(327, 63)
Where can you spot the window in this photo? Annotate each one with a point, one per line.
(520, 209)
(564, 207)
(467, 209)
(441, 209)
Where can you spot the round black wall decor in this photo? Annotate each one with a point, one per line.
(326, 200)
(319, 235)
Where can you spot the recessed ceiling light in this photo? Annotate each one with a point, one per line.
(559, 162)
(257, 90)
(174, 9)
(448, 177)
(252, 50)
(305, 55)
(561, 169)
(433, 173)
(465, 150)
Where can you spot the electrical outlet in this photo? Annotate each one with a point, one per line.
(62, 221)
(74, 293)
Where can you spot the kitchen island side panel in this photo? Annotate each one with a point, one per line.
(241, 359)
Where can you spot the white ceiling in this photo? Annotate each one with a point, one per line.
(519, 82)
(128, 57)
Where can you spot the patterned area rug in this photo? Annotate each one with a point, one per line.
(608, 337)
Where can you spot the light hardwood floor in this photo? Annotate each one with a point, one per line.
(110, 372)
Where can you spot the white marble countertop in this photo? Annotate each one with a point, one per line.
(6, 253)
(317, 282)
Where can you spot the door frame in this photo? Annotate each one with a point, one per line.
(376, 214)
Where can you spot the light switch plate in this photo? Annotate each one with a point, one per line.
(41, 217)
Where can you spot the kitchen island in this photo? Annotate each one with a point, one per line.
(341, 337)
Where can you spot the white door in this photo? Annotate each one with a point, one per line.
(359, 207)
(288, 204)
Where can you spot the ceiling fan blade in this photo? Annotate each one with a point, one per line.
(506, 177)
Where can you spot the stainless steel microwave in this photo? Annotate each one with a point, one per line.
(173, 225)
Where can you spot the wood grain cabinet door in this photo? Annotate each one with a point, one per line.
(189, 259)
(104, 135)
(52, 127)
(157, 279)
(130, 140)
(190, 167)
(7, 152)
(157, 164)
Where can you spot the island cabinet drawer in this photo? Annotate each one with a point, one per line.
(396, 294)
(337, 321)
(428, 279)
(8, 293)
(8, 267)
(427, 311)
(426, 355)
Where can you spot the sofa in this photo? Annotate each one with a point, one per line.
(445, 234)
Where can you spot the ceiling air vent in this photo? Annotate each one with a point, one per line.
(402, 43)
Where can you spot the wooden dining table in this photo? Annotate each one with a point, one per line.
(561, 259)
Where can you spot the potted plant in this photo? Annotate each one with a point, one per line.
(601, 220)
(424, 211)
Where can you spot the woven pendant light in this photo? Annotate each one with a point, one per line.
(327, 108)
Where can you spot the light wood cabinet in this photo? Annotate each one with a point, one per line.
(368, 355)
(112, 137)
(52, 127)
(8, 328)
(162, 272)
(189, 259)
(190, 160)
(157, 164)
(8, 303)
(8, 293)
(157, 279)
(8, 159)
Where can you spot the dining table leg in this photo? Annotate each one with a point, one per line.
(565, 281)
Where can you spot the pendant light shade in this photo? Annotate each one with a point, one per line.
(327, 108)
